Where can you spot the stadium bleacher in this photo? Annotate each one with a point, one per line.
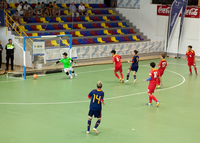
(103, 25)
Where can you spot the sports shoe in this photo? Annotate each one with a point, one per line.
(126, 81)
(95, 130)
(122, 80)
(158, 86)
(196, 74)
(88, 132)
(135, 81)
(158, 103)
(150, 104)
(190, 74)
(71, 77)
(75, 74)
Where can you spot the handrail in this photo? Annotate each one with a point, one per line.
(20, 34)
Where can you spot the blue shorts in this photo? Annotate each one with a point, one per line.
(133, 68)
(97, 114)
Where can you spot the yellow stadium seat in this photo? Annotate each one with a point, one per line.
(12, 5)
(90, 12)
(22, 20)
(66, 12)
(121, 25)
(64, 5)
(105, 18)
(106, 32)
(66, 26)
(58, 19)
(111, 12)
(65, 42)
(88, 19)
(119, 31)
(81, 26)
(23, 28)
(135, 38)
(62, 33)
(100, 40)
(78, 34)
(39, 27)
(114, 39)
(104, 25)
(87, 6)
(34, 34)
(43, 20)
(53, 42)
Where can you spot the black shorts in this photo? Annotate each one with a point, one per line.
(97, 114)
(133, 68)
(83, 12)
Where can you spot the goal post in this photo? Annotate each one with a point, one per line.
(48, 48)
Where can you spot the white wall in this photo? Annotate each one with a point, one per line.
(155, 27)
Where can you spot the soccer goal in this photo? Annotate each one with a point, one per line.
(41, 52)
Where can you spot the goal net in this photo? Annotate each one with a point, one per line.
(41, 52)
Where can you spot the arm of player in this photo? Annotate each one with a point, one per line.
(147, 79)
(90, 95)
(57, 62)
(102, 100)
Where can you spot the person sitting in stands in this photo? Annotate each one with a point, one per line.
(56, 9)
(4, 3)
(16, 16)
(21, 10)
(29, 10)
(82, 9)
(50, 8)
(38, 9)
(44, 10)
(73, 9)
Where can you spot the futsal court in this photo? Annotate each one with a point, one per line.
(54, 109)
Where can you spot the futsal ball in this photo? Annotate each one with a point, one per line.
(35, 76)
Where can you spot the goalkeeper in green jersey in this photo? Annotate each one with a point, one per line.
(67, 65)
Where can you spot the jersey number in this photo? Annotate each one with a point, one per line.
(164, 64)
(97, 98)
(155, 74)
(117, 59)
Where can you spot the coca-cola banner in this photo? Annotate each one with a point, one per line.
(192, 12)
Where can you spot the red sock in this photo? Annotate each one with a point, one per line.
(122, 75)
(190, 69)
(195, 70)
(116, 75)
(150, 99)
(158, 81)
(154, 98)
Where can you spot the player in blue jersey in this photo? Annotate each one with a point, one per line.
(134, 66)
(96, 97)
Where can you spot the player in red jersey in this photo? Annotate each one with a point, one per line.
(161, 69)
(117, 65)
(190, 57)
(153, 76)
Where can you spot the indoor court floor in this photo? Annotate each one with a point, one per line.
(53, 108)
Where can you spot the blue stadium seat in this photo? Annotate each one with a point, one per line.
(45, 33)
(88, 33)
(28, 28)
(95, 40)
(81, 41)
(63, 19)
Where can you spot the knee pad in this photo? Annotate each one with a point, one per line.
(67, 73)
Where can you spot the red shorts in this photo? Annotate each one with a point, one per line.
(191, 63)
(151, 87)
(161, 72)
(118, 68)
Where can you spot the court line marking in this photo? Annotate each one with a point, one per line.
(55, 103)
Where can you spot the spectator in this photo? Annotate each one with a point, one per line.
(82, 9)
(9, 54)
(29, 10)
(56, 9)
(8, 19)
(17, 16)
(4, 3)
(1, 49)
(38, 9)
(20, 9)
(16, 25)
(44, 10)
(50, 8)
(73, 10)
(114, 4)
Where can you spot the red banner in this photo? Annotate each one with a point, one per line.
(192, 12)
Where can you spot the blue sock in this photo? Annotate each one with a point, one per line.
(97, 124)
(88, 126)
(134, 76)
(127, 76)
